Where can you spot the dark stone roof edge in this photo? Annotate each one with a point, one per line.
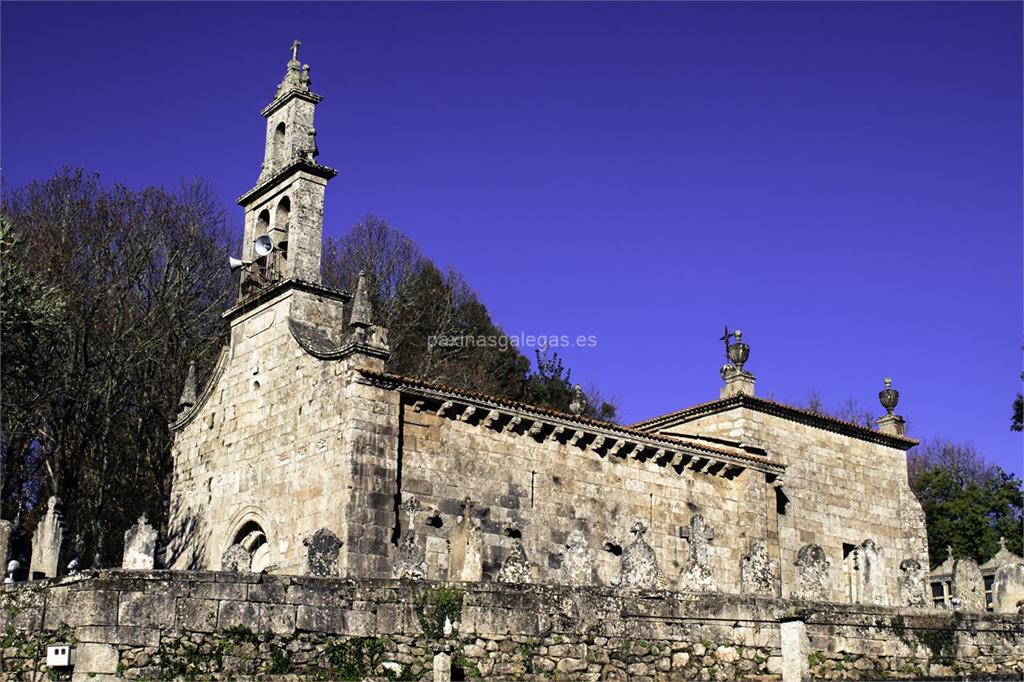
(292, 93)
(440, 391)
(323, 351)
(325, 172)
(771, 407)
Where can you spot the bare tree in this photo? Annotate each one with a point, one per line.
(142, 279)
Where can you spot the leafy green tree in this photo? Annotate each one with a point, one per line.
(968, 503)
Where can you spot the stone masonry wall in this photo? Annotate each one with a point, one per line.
(266, 447)
(544, 491)
(841, 491)
(201, 625)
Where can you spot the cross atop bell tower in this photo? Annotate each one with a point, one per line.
(288, 201)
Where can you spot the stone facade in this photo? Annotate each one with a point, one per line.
(201, 625)
(299, 431)
(843, 486)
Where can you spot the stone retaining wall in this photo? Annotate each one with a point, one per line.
(201, 625)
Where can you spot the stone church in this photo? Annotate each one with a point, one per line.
(301, 454)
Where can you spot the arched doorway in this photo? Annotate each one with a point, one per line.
(249, 548)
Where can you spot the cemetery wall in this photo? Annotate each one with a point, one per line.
(163, 624)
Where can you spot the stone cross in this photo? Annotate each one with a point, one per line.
(725, 339)
(699, 536)
(295, 50)
(696, 575)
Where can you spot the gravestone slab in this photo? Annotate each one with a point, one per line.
(47, 543)
(465, 548)
(1008, 589)
(410, 557)
(322, 553)
(812, 568)
(757, 574)
(577, 560)
(139, 547)
(912, 584)
(6, 531)
(639, 564)
(968, 586)
(869, 568)
(516, 567)
(236, 559)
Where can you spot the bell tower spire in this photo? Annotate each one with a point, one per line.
(288, 201)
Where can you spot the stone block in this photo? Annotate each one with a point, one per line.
(197, 615)
(140, 609)
(80, 607)
(219, 590)
(122, 636)
(278, 619)
(237, 613)
(335, 621)
(96, 657)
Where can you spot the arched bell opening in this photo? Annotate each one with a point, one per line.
(278, 146)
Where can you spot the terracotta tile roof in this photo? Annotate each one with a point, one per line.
(626, 431)
(781, 410)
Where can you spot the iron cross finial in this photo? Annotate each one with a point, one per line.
(725, 338)
(295, 50)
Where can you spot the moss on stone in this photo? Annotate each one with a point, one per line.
(434, 607)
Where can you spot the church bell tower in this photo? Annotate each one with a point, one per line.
(287, 203)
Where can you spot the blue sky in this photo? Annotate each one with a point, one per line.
(841, 181)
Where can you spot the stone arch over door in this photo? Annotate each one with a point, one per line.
(250, 531)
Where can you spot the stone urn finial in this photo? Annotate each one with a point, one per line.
(889, 397)
(738, 351)
(579, 401)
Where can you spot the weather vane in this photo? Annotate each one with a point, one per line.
(725, 337)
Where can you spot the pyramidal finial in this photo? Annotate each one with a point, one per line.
(188, 394)
(362, 312)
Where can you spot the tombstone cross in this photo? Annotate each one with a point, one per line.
(295, 50)
(702, 530)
